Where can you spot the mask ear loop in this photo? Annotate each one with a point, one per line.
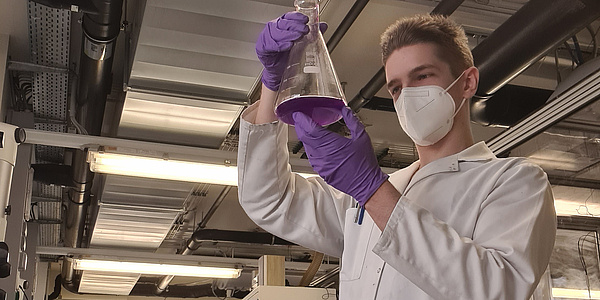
(455, 81)
(450, 86)
(459, 107)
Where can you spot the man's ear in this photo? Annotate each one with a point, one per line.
(471, 82)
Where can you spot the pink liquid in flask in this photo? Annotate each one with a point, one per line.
(323, 110)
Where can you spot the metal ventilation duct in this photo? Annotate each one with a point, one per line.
(519, 42)
(134, 213)
(192, 68)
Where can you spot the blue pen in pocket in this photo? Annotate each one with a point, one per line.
(360, 214)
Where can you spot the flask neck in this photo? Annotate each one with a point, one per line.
(309, 8)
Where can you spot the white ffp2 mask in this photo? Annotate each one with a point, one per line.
(426, 113)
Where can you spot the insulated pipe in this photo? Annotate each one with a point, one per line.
(368, 91)
(100, 32)
(164, 282)
(522, 40)
(78, 199)
(348, 20)
(196, 291)
(77, 207)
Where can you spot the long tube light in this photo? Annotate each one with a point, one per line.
(155, 269)
(575, 294)
(170, 169)
(149, 167)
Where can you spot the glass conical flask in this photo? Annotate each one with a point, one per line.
(309, 83)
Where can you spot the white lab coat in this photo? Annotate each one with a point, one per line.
(468, 226)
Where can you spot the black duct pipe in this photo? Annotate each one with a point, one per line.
(519, 42)
(100, 33)
(348, 20)
(368, 91)
(206, 235)
(196, 291)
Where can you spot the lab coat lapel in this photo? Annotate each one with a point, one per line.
(401, 178)
(442, 165)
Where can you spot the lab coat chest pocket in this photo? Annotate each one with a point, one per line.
(356, 243)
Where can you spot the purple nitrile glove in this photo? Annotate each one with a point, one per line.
(274, 44)
(348, 164)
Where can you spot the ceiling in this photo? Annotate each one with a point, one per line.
(183, 72)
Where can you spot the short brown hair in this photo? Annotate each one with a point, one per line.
(449, 37)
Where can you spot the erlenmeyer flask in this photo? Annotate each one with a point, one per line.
(309, 83)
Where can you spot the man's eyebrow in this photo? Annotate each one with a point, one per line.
(421, 68)
(392, 83)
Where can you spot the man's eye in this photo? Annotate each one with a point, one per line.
(395, 91)
(422, 76)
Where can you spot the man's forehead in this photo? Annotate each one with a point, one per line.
(416, 56)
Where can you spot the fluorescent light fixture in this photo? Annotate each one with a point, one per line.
(155, 269)
(575, 294)
(576, 208)
(150, 167)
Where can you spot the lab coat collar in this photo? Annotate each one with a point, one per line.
(477, 152)
(401, 178)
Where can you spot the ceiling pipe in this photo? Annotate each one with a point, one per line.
(196, 291)
(346, 23)
(100, 31)
(523, 39)
(78, 198)
(211, 235)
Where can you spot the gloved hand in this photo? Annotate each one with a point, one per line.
(348, 164)
(274, 43)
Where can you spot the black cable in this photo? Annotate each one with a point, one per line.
(32, 212)
(570, 50)
(594, 42)
(24, 294)
(215, 294)
(57, 288)
(580, 249)
(558, 77)
(577, 50)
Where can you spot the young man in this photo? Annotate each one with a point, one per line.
(457, 224)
